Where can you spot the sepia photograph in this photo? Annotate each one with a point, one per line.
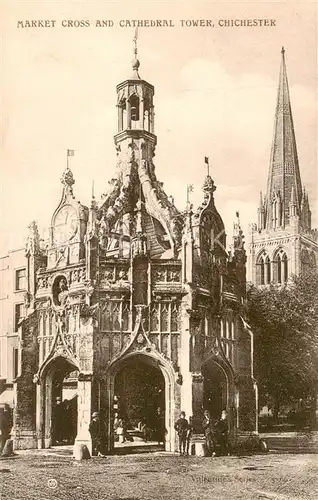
(158, 250)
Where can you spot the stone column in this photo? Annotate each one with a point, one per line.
(186, 387)
(24, 428)
(128, 112)
(120, 117)
(84, 410)
(141, 113)
(197, 400)
(152, 120)
(40, 414)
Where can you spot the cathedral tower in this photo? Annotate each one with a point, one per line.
(282, 243)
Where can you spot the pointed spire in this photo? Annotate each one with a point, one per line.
(33, 246)
(237, 250)
(261, 200)
(284, 168)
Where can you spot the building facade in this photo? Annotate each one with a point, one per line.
(13, 285)
(282, 243)
(133, 305)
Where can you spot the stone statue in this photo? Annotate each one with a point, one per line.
(62, 296)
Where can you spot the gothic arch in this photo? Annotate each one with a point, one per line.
(280, 266)
(45, 394)
(157, 361)
(263, 268)
(218, 372)
(308, 259)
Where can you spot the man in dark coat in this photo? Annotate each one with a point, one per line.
(6, 425)
(209, 432)
(222, 431)
(189, 435)
(181, 426)
(94, 429)
(159, 426)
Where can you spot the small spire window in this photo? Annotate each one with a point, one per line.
(134, 112)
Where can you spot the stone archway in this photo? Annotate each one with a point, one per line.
(57, 403)
(218, 389)
(160, 387)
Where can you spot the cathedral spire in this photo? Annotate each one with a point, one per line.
(284, 171)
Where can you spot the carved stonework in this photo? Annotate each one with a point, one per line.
(166, 274)
(33, 240)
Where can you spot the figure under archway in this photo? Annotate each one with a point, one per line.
(215, 389)
(140, 393)
(59, 411)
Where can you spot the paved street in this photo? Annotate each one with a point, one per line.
(43, 476)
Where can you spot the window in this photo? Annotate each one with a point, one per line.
(262, 272)
(20, 279)
(281, 267)
(263, 269)
(15, 364)
(18, 315)
(268, 270)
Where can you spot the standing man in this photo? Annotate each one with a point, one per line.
(189, 435)
(222, 430)
(160, 428)
(94, 429)
(6, 425)
(181, 426)
(209, 433)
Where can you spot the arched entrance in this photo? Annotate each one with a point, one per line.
(141, 400)
(59, 402)
(215, 388)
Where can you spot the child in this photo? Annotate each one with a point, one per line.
(181, 426)
(189, 434)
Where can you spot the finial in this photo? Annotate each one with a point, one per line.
(189, 190)
(93, 190)
(206, 161)
(67, 178)
(283, 51)
(209, 186)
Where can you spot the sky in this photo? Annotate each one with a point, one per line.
(215, 96)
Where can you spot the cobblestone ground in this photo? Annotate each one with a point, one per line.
(159, 476)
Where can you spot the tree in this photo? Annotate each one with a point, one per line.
(284, 320)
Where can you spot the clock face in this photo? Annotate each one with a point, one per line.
(65, 224)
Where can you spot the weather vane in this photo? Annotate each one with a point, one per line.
(135, 41)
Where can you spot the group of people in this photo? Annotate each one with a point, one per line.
(153, 428)
(64, 421)
(216, 433)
